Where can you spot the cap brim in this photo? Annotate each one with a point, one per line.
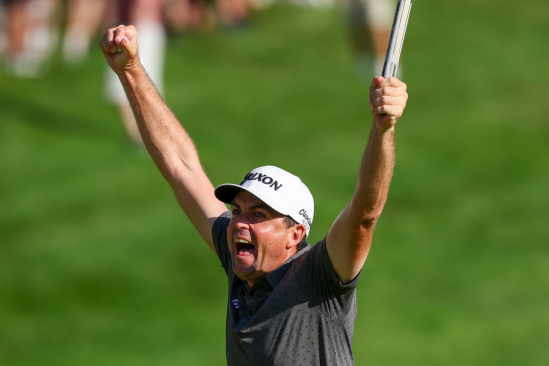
(227, 192)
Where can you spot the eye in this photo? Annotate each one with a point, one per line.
(259, 214)
(236, 211)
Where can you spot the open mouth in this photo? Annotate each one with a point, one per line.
(244, 248)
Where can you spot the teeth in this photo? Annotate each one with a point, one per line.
(242, 241)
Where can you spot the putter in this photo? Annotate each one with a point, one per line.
(398, 32)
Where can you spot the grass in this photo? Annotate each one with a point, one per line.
(99, 266)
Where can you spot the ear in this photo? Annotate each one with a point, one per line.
(296, 234)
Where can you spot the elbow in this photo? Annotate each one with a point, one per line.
(369, 222)
(366, 214)
(369, 217)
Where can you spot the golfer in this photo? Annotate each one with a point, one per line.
(288, 303)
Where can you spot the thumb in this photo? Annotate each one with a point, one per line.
(126, 41)
(375, 83)
(126, 46)
(377, 80)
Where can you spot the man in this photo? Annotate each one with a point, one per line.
(289, 303)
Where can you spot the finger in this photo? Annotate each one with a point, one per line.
(389, 91)
(391, 82)
(119, 34)
(102, 47)
(126, 39)
(129, 32)
(375, 82)
(109, 36)
(393, 111)
(120, 45)
(388, 100)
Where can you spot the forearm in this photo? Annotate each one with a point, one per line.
(166, 140)
(375, 173)
(350, 237)
(170, 146)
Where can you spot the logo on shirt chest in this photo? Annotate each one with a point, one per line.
(235, 303)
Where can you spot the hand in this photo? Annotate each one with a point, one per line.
(119, 46)
(387, 101)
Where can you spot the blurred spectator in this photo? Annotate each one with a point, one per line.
(30, 34)
(84, 19)
(146, 16)
(202, 15)
(370, 24)
(182, 15)
(233, 13)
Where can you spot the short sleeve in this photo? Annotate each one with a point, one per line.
(219, 235)
(317, 276)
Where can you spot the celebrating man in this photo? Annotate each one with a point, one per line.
(289, 303)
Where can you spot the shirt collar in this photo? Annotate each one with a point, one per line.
(274, 277)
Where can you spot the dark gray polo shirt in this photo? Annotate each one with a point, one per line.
(298, 314)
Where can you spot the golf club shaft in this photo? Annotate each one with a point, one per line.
(397, 38)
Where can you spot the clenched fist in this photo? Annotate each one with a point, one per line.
(387, 101)
(119, 46)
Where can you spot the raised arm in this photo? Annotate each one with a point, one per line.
(349, 239)
(170, 146)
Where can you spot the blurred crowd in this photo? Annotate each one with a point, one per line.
(31, 30)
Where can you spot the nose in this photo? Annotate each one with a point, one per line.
(242, 223)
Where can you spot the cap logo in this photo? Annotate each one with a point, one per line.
(263, 179)
(306, 219)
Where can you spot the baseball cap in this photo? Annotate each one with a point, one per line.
(282, 191)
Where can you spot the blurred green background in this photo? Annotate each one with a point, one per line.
(99, 266)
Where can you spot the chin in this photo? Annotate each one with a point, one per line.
(244, 273)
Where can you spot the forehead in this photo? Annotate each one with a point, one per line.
(245, 199)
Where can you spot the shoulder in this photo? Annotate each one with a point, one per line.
(315, 267)
(221, 223)
(219, 236)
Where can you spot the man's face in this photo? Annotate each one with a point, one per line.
(258, 239)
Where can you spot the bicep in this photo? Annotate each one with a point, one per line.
(348, 243)
(195, 194)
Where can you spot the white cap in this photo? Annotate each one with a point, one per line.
(282, 191)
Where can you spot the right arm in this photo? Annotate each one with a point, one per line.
(171, 148)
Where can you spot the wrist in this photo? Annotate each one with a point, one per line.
(131, 72)
(384, 128)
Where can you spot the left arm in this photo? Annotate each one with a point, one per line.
(349, 239)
